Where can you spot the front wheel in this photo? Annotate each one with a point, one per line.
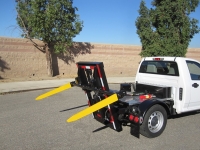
(154, 122)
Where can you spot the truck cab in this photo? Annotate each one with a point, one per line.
(182, 75)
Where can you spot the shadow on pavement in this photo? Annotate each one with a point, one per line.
(74, 108)
(185, 114)
(99, 129)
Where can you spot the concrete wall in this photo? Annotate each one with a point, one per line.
(20, 59)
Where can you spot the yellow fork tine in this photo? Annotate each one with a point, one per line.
(109, 100)
(54, 91)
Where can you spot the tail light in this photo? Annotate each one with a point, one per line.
(133, 118)
(144, 97)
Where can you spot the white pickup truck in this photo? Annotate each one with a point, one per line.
(164, 86)
(180, 77)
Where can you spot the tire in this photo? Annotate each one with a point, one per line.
(155, 121)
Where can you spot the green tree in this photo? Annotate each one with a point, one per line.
(54, 22)
(166, 29)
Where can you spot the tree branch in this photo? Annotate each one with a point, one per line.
(28, 37)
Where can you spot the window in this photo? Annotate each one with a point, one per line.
(194, 69)
(159, 67)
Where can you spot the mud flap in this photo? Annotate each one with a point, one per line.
(135, 130)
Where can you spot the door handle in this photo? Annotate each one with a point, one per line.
(195, 85)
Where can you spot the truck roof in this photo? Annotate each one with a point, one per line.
(165, 58)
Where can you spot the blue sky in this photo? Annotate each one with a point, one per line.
(105, 21)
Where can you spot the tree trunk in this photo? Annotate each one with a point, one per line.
(49, 52)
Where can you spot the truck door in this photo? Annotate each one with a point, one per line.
(194, 69)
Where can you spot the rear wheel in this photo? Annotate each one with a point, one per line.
(154, 122)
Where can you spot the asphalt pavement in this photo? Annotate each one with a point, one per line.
(9, 87)
(29, 124)
(26, 124)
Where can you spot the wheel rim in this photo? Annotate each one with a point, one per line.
(155, 121)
